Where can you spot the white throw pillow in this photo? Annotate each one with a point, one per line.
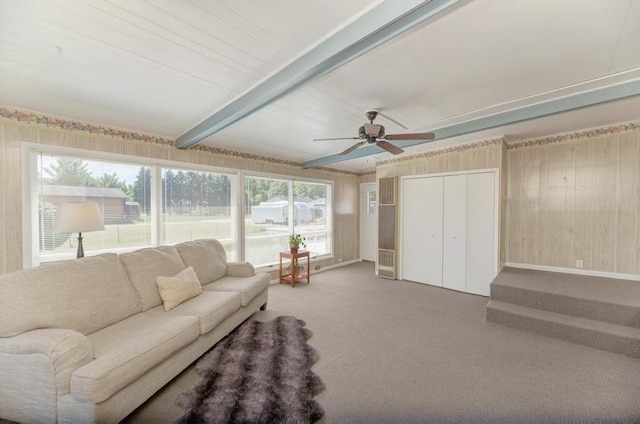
(179, 288)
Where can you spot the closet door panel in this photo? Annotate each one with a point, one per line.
(455, 230)
(480, 232)
(422, 230)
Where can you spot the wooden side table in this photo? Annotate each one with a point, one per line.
(295, 273)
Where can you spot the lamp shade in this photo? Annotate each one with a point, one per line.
(78, 217)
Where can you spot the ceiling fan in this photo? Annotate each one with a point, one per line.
(374, 134)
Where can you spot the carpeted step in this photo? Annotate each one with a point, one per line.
(597, 334)
(595, 298)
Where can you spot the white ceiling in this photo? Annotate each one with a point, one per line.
(162, 66)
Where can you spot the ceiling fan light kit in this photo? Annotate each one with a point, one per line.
(372, 130)
(371, 133)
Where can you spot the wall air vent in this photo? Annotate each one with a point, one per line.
(387, 263)
(386, 260)
(387, 190)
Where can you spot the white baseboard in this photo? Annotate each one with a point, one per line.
(338, 265)
(589, 272)
(326, 268)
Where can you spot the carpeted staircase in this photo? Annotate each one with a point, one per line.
(599, 312)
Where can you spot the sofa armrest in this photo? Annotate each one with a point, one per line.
(65, 350)
(240, 269)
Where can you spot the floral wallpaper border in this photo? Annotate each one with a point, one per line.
(77, 126)
(560, 138)
(444, 151)
(580, 135)
(249, 156)
(82, 127)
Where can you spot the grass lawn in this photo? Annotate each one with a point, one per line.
(263, 241)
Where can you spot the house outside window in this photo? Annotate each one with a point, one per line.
(269, 204)
(115, 189)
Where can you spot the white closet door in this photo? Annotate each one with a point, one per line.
(422, 230)
(455, 229)
(480, 232)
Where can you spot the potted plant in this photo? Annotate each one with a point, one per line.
(295, 241)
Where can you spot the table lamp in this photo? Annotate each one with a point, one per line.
(78, 217)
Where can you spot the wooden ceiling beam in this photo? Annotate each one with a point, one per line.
(537, 110)
(375, 27)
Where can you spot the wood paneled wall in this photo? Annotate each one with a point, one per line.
(576, 200)
(368, 178)
(565, 201)
(463, 160)
(13, 134)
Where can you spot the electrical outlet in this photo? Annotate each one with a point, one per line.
(579, 263)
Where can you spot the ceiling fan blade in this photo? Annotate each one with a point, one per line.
(352, 148)
(341, 138)
(389, 147)
(410, 136)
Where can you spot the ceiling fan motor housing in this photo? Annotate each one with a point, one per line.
(371, 131)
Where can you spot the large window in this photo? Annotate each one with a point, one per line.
(269, 204)
(266, 224)
(122, 192)
(311, 213)
(197, 205)
(147, 204)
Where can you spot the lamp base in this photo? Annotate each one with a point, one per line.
(80, 248)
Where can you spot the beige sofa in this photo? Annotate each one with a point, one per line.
(89, 340)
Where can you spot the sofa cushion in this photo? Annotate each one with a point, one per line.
(211, 308)
(84, 295)
(143, 266)
(126, 350)
(179, 288)
(206, 256)
(248, 287)
(240, 269)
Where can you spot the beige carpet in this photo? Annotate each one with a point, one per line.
(400, 352)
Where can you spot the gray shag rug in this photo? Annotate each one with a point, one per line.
(259, 373)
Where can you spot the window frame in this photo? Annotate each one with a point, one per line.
(291, 180)
(29, 152)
